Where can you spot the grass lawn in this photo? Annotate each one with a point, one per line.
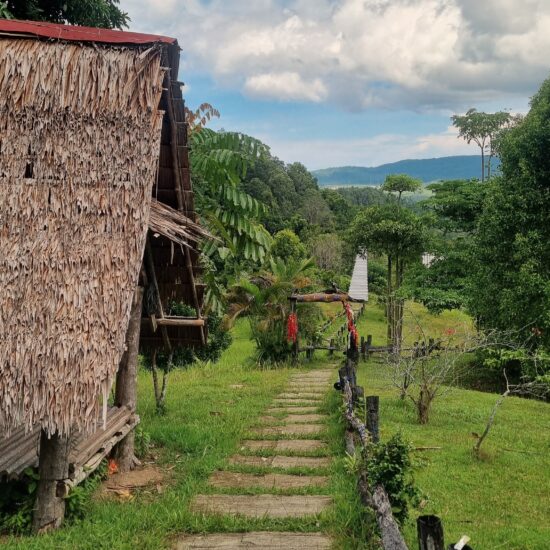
(502, 501)
(205, 420)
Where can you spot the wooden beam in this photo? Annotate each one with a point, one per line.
(174, 144)
(150, 264)
(323, 297)
(53, 467)
(180, 322)
(126, 383)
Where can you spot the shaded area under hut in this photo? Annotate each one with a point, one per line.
(98, 236)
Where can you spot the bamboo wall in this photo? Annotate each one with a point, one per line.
(79, 146)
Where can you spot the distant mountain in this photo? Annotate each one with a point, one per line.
(428, 170)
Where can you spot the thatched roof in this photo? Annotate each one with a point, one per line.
(80, 131)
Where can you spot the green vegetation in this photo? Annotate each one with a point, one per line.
(91, 13)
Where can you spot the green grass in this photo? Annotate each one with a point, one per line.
(205, 421)
(501, 501)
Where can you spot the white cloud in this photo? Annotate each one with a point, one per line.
(286, 86)
(418, 54)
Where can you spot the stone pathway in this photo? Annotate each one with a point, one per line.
(291, 433)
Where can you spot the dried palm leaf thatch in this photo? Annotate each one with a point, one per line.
(79, 145)
(175, 226)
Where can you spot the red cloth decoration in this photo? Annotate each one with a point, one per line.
(292, 328)
(353, 334)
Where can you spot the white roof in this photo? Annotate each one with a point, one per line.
(359, 286)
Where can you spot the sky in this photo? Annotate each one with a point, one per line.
(354, 82)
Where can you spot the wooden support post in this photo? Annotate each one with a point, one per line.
(332, 344)
(53, 468)
(373, 409)
(368, 345)
(126, 383)
(350, 443)
(363, 349)
(430, 533)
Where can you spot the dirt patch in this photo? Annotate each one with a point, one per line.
(122, 486)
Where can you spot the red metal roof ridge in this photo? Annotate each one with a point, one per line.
(79, 34)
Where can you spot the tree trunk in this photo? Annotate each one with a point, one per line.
(389, 304)
(53, 466)
(423, 406)
(482, 164)
(126, 383)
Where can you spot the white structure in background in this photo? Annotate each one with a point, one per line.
(359, 286)
(428, 259)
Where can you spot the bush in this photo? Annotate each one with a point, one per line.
(389, 464)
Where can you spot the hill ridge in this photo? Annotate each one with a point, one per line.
(428, 170)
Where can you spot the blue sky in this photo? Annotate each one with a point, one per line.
(354, 82)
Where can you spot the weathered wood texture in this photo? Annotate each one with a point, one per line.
(259, 506)
(20, 450)
(126, 383)
(49, 507)
(430, 533)
(262, 540)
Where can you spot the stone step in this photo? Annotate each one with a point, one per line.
(293, 445)
(283, 462)
(262, 540)
(223, 479)
(292, 410)
(259, 506)
(293, 418)
(299, 418)
(304, 402)
(290, 429)
(301, 395)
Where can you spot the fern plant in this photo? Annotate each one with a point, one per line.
(219, 162)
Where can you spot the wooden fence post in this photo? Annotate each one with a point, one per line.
(126, 383)
(368, 345)
(363, 354)
(430, 533)
(373, 418)
(331, 351)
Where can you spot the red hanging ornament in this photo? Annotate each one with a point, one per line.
(292, 328)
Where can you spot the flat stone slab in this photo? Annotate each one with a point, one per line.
(313, 396)
(259, 506)
(293, 410)
(283, 462)
(222, 479)
(304, 402)
(294, 445)
(300, 418)
(263, 540)
(290, 429)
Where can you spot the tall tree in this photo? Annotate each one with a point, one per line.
(401, 183)
(510, 279)
(400, 235)
(482, 128)
(91, 13)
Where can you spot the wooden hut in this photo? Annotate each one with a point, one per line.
(97, 236)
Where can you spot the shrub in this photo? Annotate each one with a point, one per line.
(389, 464)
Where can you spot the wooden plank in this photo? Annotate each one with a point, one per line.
(180, 322)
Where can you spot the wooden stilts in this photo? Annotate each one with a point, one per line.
(53, 469)
(126, 383)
